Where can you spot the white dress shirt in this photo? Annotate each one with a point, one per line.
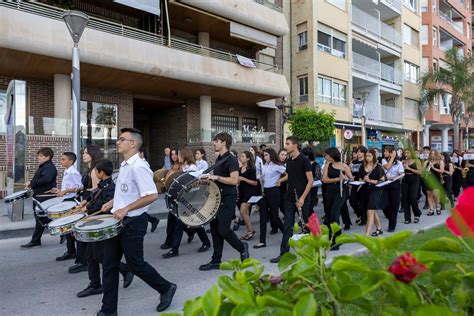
(72, 179)
(258, 167)
(271, 173)
(202, 165)
(396, 169)
(135, 180)
(190, 168)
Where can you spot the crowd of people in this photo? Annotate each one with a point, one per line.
(282, 186)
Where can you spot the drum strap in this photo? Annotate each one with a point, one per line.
(220, 162)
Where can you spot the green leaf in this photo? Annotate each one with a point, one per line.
(245, 310)
(227, 283)
(346, 263)
(272, 301)
(394, 241)
(286, 260)
(211, 301)
(443, 244)
(226, 266)
(432, 310)
(305, 306)
(238, 297)
(428, 256)
(193, 307)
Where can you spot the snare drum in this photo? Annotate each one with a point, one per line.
(46, 204)
(60, 209)
(97, 228)
(64, 225)
(18, 196)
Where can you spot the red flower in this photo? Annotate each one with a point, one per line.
(461, 222)
(405, 268)
(313, 225)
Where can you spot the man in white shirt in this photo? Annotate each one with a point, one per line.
(393, 169)
(134, 192)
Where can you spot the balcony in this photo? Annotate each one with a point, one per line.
(374, 28)
(390, 74)
(458, 25)
(270, 5)
(377, 70)
(393, 4)
(238, 136)
(378, 114)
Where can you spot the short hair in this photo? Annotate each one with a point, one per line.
(308, 152)
(362, 149)
(234, 152)
(105, 166)
(262, 146)
(334, 153)
(46, 151)
(426, 148)
(293, 140)
(136, 134)
(224, 137)
(144, 151)
(70, 155)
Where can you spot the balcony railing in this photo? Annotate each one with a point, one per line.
(391, 114)
(396, 4)
(373, 26)
(379, 113)
(390, 74)
(238, 136)
(270, 5)
(132, 33)
(366, 64)
(445, 16)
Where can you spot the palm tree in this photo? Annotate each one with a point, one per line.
(456, 79)
(106, 116)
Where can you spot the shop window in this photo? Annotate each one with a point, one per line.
(224, 123)
(249, 123)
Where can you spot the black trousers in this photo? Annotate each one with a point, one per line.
(289, 222)
(457, 183)
(335, 202)
(170, 229)
(130, 244)
(95, 256)
(392, 194)
(447, 185)
(410, 189)
(269, 208)
(355, 202)
(40, 223)
(80, 252)
(179, 230)
(220, 227)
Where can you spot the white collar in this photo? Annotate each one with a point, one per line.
(130, 160)
(71, 169)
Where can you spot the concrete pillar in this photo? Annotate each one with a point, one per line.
(426, 135)
(444, 139)
(204, 39)
(62, 104)
(205, 115)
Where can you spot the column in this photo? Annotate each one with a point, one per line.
(205, 114)
(62, 104)
(426, 135)
(444, 139)
(204, 39)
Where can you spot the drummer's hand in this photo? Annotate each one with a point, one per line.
(55, 190)
(107, 206)
(60, 193)
(120, 214)
(366, 179)
(212, 177)
(28, 184)
(84, 202)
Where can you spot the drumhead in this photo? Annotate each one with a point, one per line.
(17, 195)
(50, 202)
(198, 203)
(66, 220)
(96, 222)
(61, 207)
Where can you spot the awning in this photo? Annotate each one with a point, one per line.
(269, 104)
(252, 35)
(150, 6)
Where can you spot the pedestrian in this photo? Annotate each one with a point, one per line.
(447, 180)
(143, 153)
(393, 171)
(247, 189)
(434, 165)
(201, 161)
(167, 158)
(456, 159)
(355, 197)
(411, 187)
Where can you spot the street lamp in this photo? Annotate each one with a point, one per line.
(76, 22)
(467, 120)
(365, 96)
(286, 111)
(423, 109)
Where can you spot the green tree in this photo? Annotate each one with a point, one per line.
(455, 78)
(312, 125)
(107, 118)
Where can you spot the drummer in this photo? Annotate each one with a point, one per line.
(70, 184)
(134, 192)
(95, 250)
(43, 181)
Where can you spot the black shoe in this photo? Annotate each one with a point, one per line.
(208, 230)
(170, 254)
(66, 256)
(31, 245)
(347, 227)
(273, 231)
(89, 290)
(245, 253)
(210, 266)
(190, 238)
(165, 246)
(260, 245)
(154, 224)
(426, 207)
(127, 279)
(204, 248)
(276, 259)
(391, 230)
(334, 247)
(236, 226)
(166, 298)
(100, 313)
(62, 239)
(77, 268)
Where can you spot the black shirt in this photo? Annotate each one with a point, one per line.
(296, 169)
(44, 178)
(356, 165)
(105, 193)
(224, 170)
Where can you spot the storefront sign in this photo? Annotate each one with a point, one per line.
(348, 134)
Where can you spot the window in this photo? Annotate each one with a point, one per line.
(411, 108)
(435, 37)
(424, 5)
(341, 4)
(330, 91)
(303, 89)
(250, 123)
(331, 41)
(425, 62)
(3, 110)
(424, 35)
(410, 35)
(436, 103)
(224, 123)
(412, 5)
(445, 100)
(412, 72)
(433, 3)
(302, 38)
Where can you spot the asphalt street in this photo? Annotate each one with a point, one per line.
(33, 283)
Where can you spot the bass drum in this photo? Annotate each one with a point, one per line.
(159, 177)
(170, 177)
(174, 186)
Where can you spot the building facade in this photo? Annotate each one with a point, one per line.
(446, 24)
(354, 58)
(181, 76)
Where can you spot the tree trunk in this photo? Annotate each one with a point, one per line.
(456, 134)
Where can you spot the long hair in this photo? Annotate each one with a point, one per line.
(273, 155)
(279, 152)
(187, 156)
(203, 153)
(257, 151)
(390, 149)
(308, 152)
(251, 160)
(447, 159)
(95, 153)
(171, 155)
(334, 153)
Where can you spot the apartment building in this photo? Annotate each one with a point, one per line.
(446, 24)
(181, 73)
(358, 57)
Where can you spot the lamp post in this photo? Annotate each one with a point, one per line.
(467, 120)
(76, 22)
(365, 96)
(286, 111)
(423, 109)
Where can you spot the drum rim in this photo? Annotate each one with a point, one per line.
(66, 217)
(15, 195)
(61, 211)
(117, 223)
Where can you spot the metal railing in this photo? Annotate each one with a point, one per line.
(270, 5)
(132, 33)
(365, 64)
(390, 34)
(396, 4)
(238, 136)
(448, 18)
(378, 113)
(390, 74)
(391, 114)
